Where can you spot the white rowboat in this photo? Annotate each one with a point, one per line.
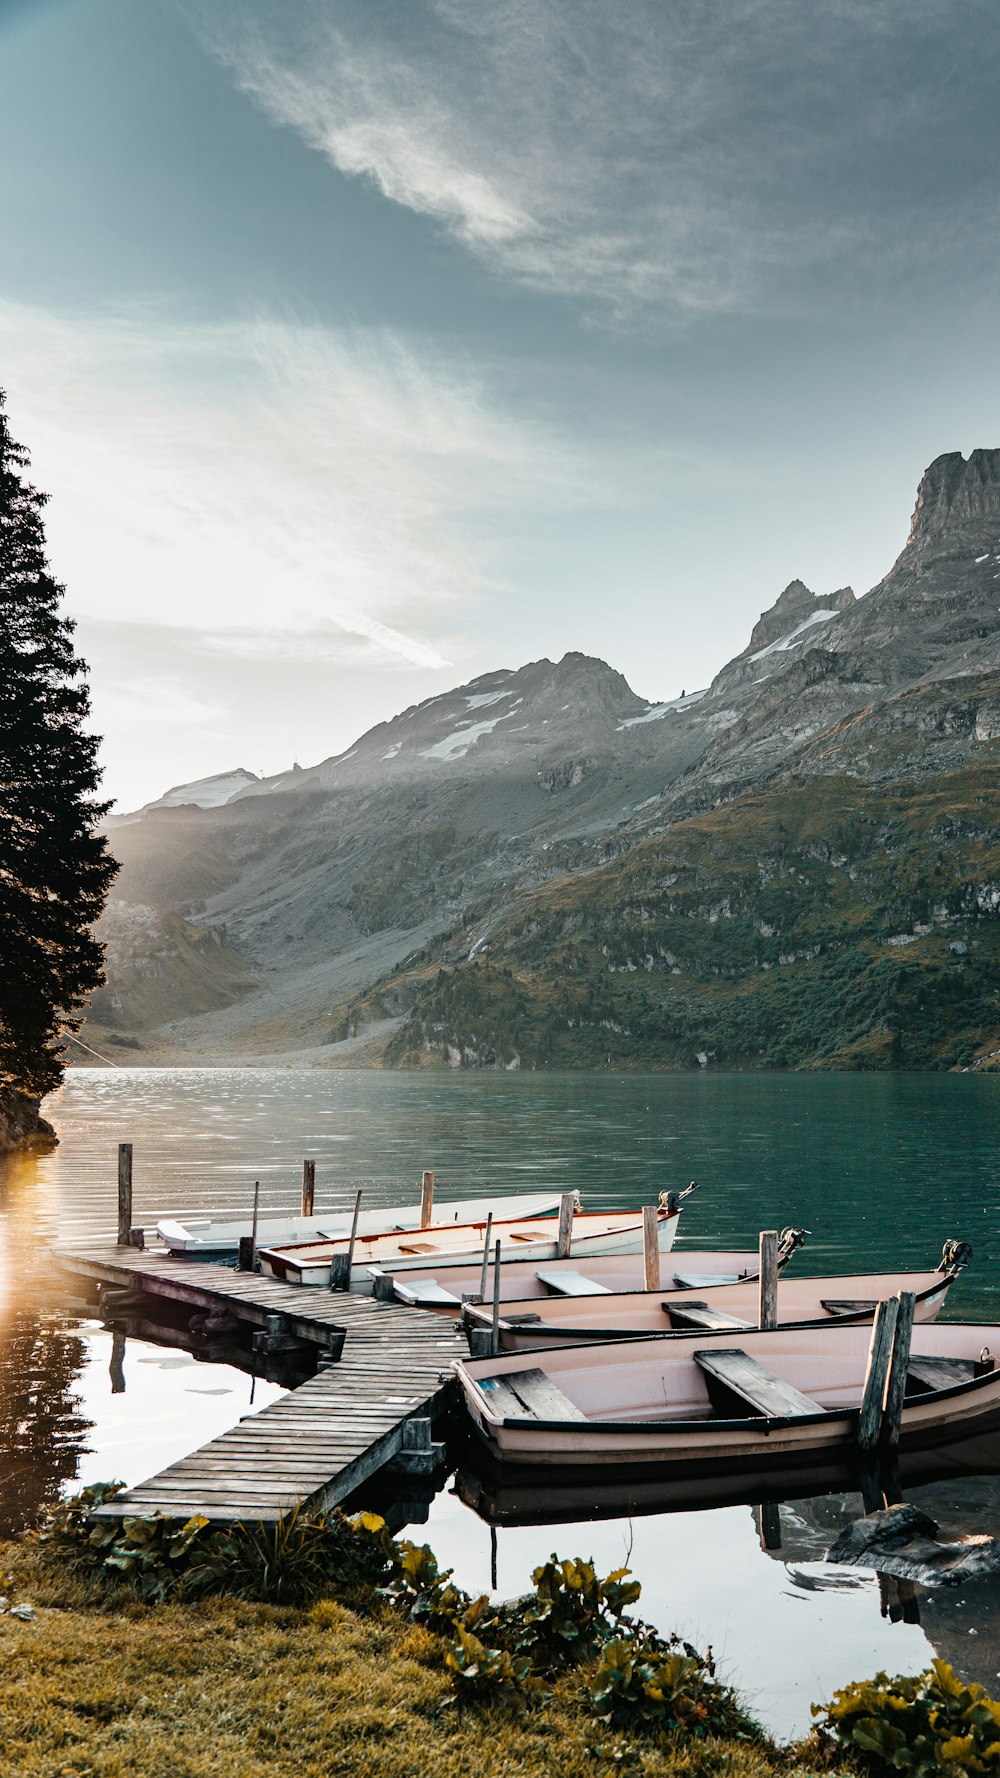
(217, 1237)
(613, 1232)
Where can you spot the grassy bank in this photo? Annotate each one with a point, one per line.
(134, 1657)
(227, 1689)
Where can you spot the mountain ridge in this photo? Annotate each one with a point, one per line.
(317, 884)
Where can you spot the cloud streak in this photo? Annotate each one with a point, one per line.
(277, 484)
(688, 156)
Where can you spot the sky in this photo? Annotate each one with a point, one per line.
(365, 346)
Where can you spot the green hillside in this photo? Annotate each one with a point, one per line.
(819, 923)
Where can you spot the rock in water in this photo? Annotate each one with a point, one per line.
(902, 1541)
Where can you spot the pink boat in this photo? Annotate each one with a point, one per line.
(776, 1397)
(530, 1323)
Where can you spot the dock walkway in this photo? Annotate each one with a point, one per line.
(320, 1442)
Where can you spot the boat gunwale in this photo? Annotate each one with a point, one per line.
(629, 1219)
(604, 1336)
(750, 1423)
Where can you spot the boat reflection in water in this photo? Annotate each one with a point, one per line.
(518, 1495)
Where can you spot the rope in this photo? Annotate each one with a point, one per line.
(90, 1052)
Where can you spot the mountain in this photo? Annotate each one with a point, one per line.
(803, 844)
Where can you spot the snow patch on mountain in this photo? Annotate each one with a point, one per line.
(783, 642)
(655, 711)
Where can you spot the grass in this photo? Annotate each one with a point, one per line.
(101, 1686)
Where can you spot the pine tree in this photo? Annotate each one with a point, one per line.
(55, 870)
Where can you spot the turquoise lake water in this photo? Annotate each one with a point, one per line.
(882, 1169)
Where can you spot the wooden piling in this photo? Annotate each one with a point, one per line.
(564, 1239)
(495, 1338)
(486, 1257)
(879, 1355)
(426, 1199)
(895, 1387)
(124, 1194)
(768, 1288)
(341, 1263)
(768, 1517)
(651, 1246)
(308, 1187)
(246, 1259)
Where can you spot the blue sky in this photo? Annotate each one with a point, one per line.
(365, 346)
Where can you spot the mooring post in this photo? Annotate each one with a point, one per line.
(308, 1187)
(341, 1263)
(768, 1300)
(426, 1199)
(486, 1257)
(247, 1255)
(895, 1387)
(564, 1239)
(124, 1194)
(651, 1246)
(495, 1335)
(873, 1394)
(768, 1517)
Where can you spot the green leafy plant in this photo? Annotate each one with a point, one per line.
(289, 1562)
(573, 1612)
(668, 1686)
(424, 1592)
(923, 1726)
(485, 1675)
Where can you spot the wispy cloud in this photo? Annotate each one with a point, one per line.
(694, 156)
(274, 484)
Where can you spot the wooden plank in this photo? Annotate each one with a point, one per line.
(695, 1314)
(502, 1397)
(895, 1386)
(566, 1283)
(767, 1316)
(651, 1246)
(542, 1397)
(848, 1305)
(940, 1373)
(733, 1377)
(876, 1374)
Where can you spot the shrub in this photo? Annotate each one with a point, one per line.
(288, 1563)
(573, 1612)
(484, 1675)
(667, 1686)
(925, 1726)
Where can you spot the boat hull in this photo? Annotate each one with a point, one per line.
(205, 1237)
(616, 1234)
(668, 1421)
(519, 1280)
(645, 1314)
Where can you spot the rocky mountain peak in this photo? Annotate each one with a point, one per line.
(957, 499)
(795, 606)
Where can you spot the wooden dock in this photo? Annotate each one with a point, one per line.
(323, 1440)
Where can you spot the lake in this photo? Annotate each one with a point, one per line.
(882, 1169)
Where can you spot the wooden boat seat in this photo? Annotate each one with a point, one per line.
(737, 1384)
(417, 1247)
(529, 1395)
(702, 1315)
(845, 1305)
(522, 1235)
(708, 1280)
(923, 1374)
(525, 1319)
(571, 1284)
(426, 1291)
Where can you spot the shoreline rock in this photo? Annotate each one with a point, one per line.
(21, 1123)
